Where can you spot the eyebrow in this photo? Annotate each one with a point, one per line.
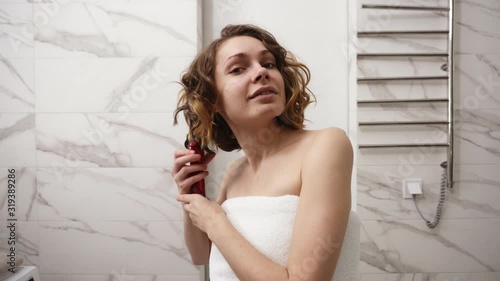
(240, 55)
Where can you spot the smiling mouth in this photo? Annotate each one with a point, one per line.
(264, 93)
(267, 91)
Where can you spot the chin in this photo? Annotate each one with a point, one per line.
(271, 111)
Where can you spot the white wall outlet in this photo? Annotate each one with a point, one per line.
(412, 186)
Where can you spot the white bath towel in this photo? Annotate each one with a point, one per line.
(267, 224)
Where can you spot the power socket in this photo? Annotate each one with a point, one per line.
(412, 186)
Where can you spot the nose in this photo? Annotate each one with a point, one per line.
(260, 73)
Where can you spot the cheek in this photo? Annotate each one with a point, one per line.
(234, 89)
(230, 98)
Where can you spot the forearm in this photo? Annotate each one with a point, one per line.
(255, 266)
(196, 241)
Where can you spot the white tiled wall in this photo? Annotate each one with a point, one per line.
(87, 92)
(395, 243)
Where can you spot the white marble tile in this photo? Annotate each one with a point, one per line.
(103, 248)
(120, 277)
(108, 85)
(26, 208)
(374, 20)
(457, 245)
(400, 67)
(413, 134)
(406, 156)
(482, 276)
(116, 29)
(402, 44)
(380, 195)
(15, 1)
(26, 241)
(16, 30)
(413, 277)
(383, 19)
(477, 26)
(109, 2)
(433, 89)
(465, 241)
(477, 82)
(17, 87)
(392, 134)
(477, 187)
(476, 192)
(17, 139)
(107, 194)
(477, 137)
(436, 111)
(108, 140)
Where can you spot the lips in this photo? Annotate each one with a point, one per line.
(263, 91)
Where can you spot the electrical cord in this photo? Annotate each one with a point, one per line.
(442, 197)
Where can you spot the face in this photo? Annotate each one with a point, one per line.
(249, 86)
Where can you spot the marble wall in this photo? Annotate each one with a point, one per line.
(86, 99)
(395, 242)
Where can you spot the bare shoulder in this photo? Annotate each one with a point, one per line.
(331, 132)
(331, 139)
(329, 149)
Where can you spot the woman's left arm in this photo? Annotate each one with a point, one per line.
(320, 223)
(324, 207)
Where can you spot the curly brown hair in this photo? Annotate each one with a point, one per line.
(198, 97)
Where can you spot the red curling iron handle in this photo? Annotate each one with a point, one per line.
(197, 187)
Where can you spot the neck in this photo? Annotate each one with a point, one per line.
(260, 142)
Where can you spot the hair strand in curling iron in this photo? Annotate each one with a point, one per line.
(199, 186)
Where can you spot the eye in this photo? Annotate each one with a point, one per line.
(269, 65)
(236, 70)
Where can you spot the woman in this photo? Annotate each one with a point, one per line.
(283, 208)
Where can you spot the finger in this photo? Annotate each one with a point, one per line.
(200, 202)
(195, 178)
(182, 199)
(185, 171)
(182, 161)
(208, 157)
(185, 198)
(179, 153)
(184, 189)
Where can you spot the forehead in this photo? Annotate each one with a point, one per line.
(240, 44)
